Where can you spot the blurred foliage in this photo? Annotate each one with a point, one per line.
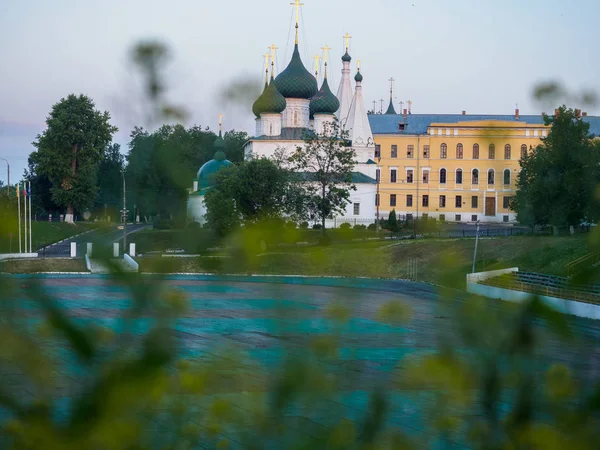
(551, 93)
(557, 182)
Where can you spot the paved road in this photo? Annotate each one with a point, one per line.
(99, 237)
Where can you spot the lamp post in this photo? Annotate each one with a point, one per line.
(476, 243)
(124, 213)
(378, 199)
(8, 175)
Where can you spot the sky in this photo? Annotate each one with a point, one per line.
(482, 56)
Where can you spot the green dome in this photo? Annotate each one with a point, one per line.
(295, 81)
(324, 102)
(346, 57)
(208, 172)
(358, 77)
(270, 101)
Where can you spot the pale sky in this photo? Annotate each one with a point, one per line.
(482, 56)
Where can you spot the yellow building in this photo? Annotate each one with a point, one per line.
(453, 167)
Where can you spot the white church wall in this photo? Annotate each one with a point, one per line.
(296, 113)
(196, 209)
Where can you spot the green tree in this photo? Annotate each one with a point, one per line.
(162, 165)
(325, 165)
(558, 179)
(393, 221)
(70, 149)
(110, 187)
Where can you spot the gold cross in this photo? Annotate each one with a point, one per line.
(266, 55)
(317, 58)
(391, 80)
(326, 53)
(220, 122)
(358, 65)
(297, 5)
(347, 38)
(273, 49)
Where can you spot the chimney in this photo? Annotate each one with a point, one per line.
(405, 113)
(584, 114)
(464, 113)
(516, 113)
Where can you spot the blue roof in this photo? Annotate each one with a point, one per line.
(418, 123)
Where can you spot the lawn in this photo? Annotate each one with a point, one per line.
(44, 233)
(442, 262)
(43, 265)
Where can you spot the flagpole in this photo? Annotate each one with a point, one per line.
(30, 240)
(25, 213)
(19, 213)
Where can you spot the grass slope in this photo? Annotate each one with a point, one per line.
(439, 261)
(43, 265)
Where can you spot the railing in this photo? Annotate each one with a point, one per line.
(590, 259)
(547, 285)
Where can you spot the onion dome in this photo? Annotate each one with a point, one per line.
(324, 102)
(270, 101)
(295, 81)
(346, 57)
(358, 77)
(207, 175)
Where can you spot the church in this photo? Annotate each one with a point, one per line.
(292, 104)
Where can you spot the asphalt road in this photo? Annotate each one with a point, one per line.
(103, 237)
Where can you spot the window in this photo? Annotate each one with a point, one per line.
(506, 202)
(475, 151)
(393, 175)
(409, 217)
(425, 201)
(507, 151)
(443, 151)
(426, 177)
(409, 200)
(376, 199)
(442, 201)
(475, 176)
(474, 201)
(392, 199)
(523, 151)
(410, 151)
(506, 176)
(492, 152)
(426, 151)
(459, 151)
(474, 218)
(378, 175)
(458, 202)
(377, 151)
(458, 176)
(443, 176)
(394, 151)
(505, 219)
(357, 209)
(295, 117)
(409, 176)
(401, 126)
(457, 218)
(442, 217)
(491, 177)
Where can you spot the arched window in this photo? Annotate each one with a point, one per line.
(270, 129)
(492, 152)
(459, 151)
(443, 176)
(523, 151)
(475, 176)
(443, 151)
(475, 151)
(491, 177)
(507, 151)
(458, 176)
(506, 176)
(295, 117)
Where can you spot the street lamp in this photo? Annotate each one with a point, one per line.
(378, 176)
(476, 243)
(8, 176)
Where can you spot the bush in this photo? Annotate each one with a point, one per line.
(360, 227)
(164, 224)
(291, 225)
(304, 226)
(317, 226)
(345, 226)
(372, 227)
(194, 225)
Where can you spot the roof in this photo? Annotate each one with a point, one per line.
(295, 81)
(287, 134)
(270, 101)
(208, 172)
(324, 102)
(357, 177)
(418, 123)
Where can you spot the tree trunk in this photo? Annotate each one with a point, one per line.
(323, 212)
(69, 217)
